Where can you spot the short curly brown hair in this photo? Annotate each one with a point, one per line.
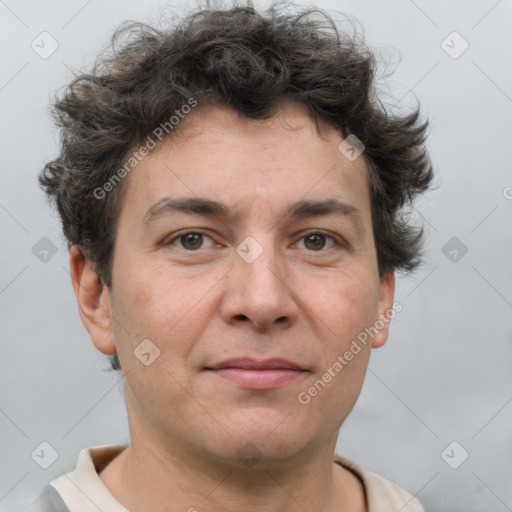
(250, 61)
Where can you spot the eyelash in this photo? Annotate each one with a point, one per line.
(305, 235)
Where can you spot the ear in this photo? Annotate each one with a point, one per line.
(93, 298)
(386, 311)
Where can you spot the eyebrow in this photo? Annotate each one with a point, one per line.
(202, 206)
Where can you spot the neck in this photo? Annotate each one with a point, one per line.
(143, 478)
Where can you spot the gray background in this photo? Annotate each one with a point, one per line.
(446, 372)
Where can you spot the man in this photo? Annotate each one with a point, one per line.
(231, 190)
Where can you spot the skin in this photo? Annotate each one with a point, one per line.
(202, 304)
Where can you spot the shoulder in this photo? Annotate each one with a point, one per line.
(49, 501)
(381, 494)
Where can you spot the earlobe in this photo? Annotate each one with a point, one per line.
(93, 298)
(386, 311)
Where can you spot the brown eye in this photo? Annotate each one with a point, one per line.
(191, 241)
(318, 241)
(315, 241)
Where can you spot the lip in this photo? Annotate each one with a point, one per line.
(253, 374)
(248, 363)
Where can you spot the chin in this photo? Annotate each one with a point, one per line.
(270, 438)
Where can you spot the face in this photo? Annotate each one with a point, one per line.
(282, 266)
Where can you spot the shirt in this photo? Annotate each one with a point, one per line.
(82, 490)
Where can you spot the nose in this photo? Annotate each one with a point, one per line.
(260, 292)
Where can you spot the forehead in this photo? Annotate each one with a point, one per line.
(219, 124)
(218, 153)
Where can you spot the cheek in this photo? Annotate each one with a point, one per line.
(153, 306)
(354, 308)
(347, 303)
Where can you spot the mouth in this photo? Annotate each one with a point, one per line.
(252, 374)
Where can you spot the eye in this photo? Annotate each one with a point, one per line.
(316, 241)
(190, 241)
